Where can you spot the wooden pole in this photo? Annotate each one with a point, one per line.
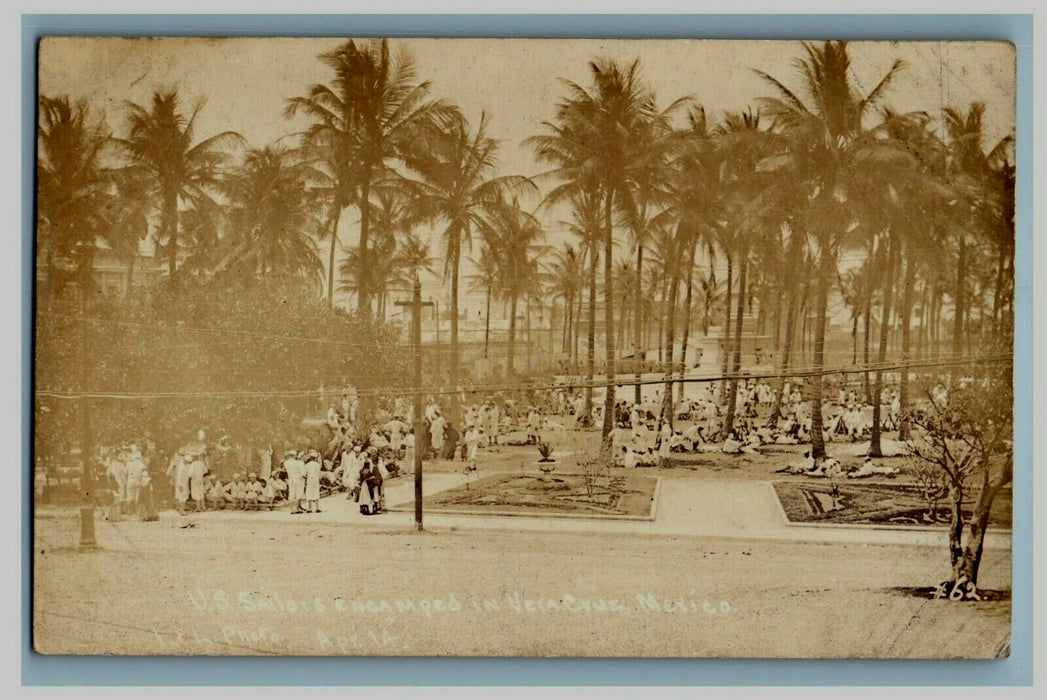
(416, 305)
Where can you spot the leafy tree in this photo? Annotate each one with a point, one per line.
(969, 438)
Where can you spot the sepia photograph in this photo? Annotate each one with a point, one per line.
(523, 348)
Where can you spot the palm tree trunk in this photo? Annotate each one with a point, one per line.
(666, 413)
(686, 321)
(888, 296)
(961, 277)
(825, 274)
(527, 314)
(727, 325)
(638, 320)
(608, 270)
(171, 224)
(510, 365)
(918, 352)
(455, 403)
(577, 319)
(592, 336)
(487, 324)
(736, 361)
(565, 328)
(131, 273)
(330, 258)
(907, 301)
(363, 297)
(790, 324)
(661, 316)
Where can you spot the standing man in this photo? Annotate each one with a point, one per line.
(196, 483)
(117, 469)
(133, 478)
(182, 466)
(472, 443)
(436, 428)
(312, 482)
(493, 419)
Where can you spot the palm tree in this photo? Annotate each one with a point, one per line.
(595, 141)
(163, 161)
(388, 220)
(485, 280)
(828, 149)
(71, 187)
(272, 215)
(413, 258)
(986, 209)
(692, 205)
(563, 276)
(374, 113)
(749, 215)
(514, 238)
(585, 225)
(455, 185)
(916, 204)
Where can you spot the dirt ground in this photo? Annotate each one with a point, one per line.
(313, 588)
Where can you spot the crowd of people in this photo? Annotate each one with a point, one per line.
(357, 459)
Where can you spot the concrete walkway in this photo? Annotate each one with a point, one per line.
(714, 508)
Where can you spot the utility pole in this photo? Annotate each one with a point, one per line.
(416, 305)
(87, 511)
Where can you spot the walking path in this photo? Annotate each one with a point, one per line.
(715, 508)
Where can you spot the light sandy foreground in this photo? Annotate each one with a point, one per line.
(742, 584)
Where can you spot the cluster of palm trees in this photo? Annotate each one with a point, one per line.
(780, 193)
(671, 218)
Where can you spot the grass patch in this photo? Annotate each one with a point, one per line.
(873, 504)
(554, 494)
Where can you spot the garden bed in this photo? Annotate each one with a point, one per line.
(621, 496)
(874, 504)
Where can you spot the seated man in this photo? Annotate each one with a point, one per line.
(732, 445)
(214, 497)
(277, 480)
(252, 489)
(234, 492)
(267, 494)
(678, 442)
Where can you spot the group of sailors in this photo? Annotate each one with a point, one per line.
(642, 438)
(127, 470)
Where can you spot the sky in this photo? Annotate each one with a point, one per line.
(515, 82)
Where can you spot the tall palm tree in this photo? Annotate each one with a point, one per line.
(749, 215)
(388, 221)
(485, 280)
(413, 258)
(371, 115)
(594, 141)
(165, 162)
(563, 276)
(455, 185)
(272, 214)
(829, 146)
(514, 236)
(983, 209)
(585, 225)
(71, 187)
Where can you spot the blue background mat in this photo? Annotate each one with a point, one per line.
(1016, 670)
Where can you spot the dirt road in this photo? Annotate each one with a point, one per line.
(238, 586)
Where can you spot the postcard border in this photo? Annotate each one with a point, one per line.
(1016, 670)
